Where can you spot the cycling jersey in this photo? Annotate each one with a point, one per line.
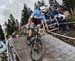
(43, 17)
(36, 13)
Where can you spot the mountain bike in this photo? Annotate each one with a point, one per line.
(37, 49)
(37, 46)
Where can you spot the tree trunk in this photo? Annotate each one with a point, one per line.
(74, 11)
(71, 11)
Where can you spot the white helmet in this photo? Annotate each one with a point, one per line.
(43, 8)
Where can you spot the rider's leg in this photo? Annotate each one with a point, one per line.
(29, 34)
(30, 31)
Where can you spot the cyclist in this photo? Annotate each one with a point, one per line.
(37, 17)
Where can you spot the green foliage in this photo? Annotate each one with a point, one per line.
(51, 2)
(11, 26)
(70, 5)
(54, 4)
(1, 33)
(39, 3)
(70, 18)
(43, 2)
(25, 15)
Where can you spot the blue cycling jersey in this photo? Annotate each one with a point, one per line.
(43, 17)
(36, 13)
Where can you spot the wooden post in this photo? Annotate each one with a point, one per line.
(0, 59)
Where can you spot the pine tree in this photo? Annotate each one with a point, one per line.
(24, 15)
(11, 17)
(43, 3)
(5, 23)
(11, 26)
(1, 34)
(29, 12)
(70, 5)
(34, 5)
(17, 24)
(53, 4)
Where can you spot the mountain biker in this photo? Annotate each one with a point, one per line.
(37, 17)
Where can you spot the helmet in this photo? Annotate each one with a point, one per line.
(43, 8)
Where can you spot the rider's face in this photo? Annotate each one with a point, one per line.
(42, 12)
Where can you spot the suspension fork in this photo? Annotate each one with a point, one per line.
(43, 27)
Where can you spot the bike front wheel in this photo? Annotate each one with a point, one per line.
(38, 53)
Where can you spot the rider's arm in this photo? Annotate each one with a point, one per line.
(32, 15)
(29, 20)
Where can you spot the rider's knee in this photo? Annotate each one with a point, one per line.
(30, 30)
(31, 27)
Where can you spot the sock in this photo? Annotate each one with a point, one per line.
(28, 38)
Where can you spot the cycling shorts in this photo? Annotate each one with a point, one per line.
(36, 21)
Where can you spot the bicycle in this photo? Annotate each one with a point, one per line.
(37, 46)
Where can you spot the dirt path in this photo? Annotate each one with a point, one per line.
(55, 49)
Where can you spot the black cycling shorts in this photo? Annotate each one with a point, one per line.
(36, 21)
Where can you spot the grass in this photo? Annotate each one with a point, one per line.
(70, 33)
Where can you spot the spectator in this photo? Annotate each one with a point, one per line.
(62, 20)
